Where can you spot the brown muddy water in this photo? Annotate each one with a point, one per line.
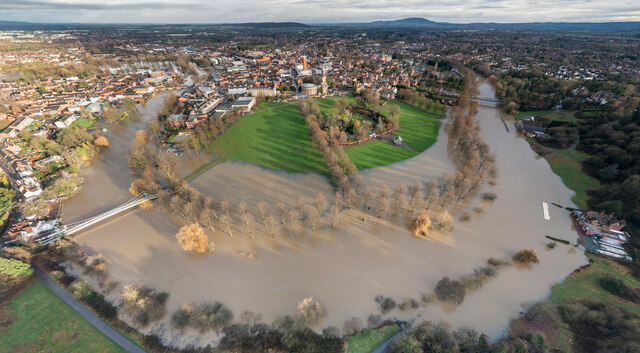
(344, 268)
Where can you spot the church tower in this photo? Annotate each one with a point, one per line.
(324, 85)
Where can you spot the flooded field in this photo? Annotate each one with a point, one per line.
(347, 267)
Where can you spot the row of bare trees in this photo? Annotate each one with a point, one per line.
(343, 171)
(475, 164)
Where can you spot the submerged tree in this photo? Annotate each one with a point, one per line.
(193, 238)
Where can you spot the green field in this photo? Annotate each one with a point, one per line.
(44, 323)
(274, 138)
(376, 153)
(82, 122)
(418, 130)
(583, 285)
(567, 165)
(369, 339)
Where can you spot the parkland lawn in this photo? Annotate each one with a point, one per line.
(275, 137)
(44, 323)
(369, 339)
(418, 130)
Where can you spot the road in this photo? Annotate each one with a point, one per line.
(106, 330)
(385, 345)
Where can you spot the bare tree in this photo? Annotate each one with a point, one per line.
(282, 212)
(352, 198)
(210, 204)
(313, 217)
(431, 192)
(417, 201)
(247, 219)
(294, 223)
(226, 208)
(338, 200)
(243, 208)
(320, 203)
(301, 207)
(334, 216)
(271, 225)
(366, 197)
(189, 210)
(382, 205)
(227, 223)
(208, 218)
(413, 193)
(399, 199)
(263, 210)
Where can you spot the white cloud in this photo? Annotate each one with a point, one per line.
(316, 11)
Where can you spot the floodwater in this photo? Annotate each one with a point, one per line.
(347, 267)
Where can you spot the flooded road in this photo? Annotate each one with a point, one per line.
(347, 267)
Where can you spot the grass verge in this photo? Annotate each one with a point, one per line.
(45, 323)
(369, 339)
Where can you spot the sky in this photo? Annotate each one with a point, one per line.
(316, 11)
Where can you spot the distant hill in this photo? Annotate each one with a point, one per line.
(406, 22)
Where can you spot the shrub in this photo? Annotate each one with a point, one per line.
(385, 303)
(144, 304)
(101, 141)
(15, 268)
(193, 238)
(489, 196)
(408, 303)
(80, 289)
(18, 253)
(465, 217)
(310, 311)
(204, 317)
(352, 326)
(374, 321)
(450, 290)
(616, 287)
(443, 223)
(420, 225)
(526, 257)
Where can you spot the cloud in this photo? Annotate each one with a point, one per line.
(314, 11)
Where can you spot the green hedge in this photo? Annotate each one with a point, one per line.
(15, 268)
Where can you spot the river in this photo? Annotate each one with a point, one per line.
(344, 268)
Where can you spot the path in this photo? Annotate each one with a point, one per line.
(385, 345)
(103, 327)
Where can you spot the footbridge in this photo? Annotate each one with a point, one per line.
(86, 222)
(488, 102)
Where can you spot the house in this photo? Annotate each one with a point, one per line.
(244, 104)
(531, 128)
(176, 120)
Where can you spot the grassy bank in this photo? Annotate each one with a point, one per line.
(584, 284)
(369, 339)
(567, 164)
(44, 323)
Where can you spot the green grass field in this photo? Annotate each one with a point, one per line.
(584, 285)
(275, 138)
(44, 323)
(567, 165)
(82, 122)
(418, 130)
(369, 339)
